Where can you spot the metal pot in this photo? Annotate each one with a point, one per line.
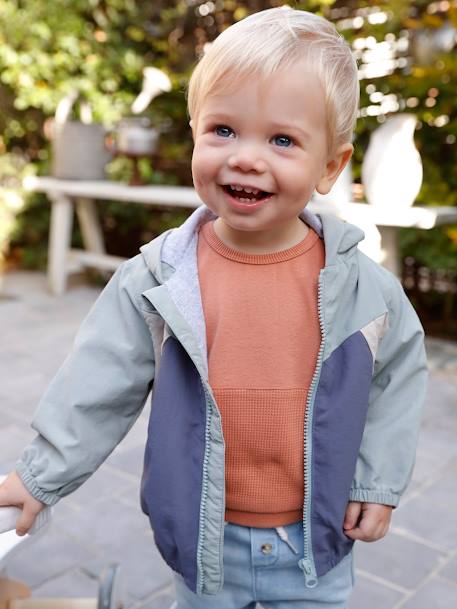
(135, 136)
(79, 151)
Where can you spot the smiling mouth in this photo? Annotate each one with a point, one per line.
(244, 196)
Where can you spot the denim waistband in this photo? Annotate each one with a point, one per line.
(282, 534)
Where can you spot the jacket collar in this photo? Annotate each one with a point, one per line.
(164, 254)
(172, 259)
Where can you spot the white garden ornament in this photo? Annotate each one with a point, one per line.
(155, 82)
(392, 167)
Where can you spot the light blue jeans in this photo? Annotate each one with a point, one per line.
(259, 567)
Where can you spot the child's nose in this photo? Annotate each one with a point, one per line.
(247, 158)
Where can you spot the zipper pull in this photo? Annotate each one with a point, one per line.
(309, 571)
(283, 535)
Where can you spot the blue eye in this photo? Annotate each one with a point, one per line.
(225, 130)
(280, 139)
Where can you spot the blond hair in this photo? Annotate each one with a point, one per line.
(274, 38)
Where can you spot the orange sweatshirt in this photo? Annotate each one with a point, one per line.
(263, 339)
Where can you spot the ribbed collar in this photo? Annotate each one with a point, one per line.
(221, 248)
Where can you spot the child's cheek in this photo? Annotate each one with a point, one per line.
(201, 170)
(198, 174)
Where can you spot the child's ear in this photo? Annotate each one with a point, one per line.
(191, 125)
(334, 167)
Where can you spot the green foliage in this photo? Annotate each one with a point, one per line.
(102, 46)
(435, 248)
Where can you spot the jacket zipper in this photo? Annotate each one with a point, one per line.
(209, 410)
(307, 562)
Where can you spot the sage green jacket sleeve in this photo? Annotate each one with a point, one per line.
(387, 454)
(98, 392)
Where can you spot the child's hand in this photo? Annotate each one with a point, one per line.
(14, 493)
(366, 521)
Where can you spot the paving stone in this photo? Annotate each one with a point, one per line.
(105, 482)
(414, 488)
(14, 438)
(130, 460)
(438, 593)
(429, 515)
(7, 419)
(23, 282)
(449, 571)
(143, 570)
(441, 354)
(441, 406)
(46, 556)
(162, 601)
(148, 576)
(374, 595)
(397, 559)
(437, 441)
(132, 495)
(65, 510)
(14, 365)
(7, 466)
(22, 403)
(106, 523)
(427, 467)
(77, 583)
(444, 490)
(74, 583)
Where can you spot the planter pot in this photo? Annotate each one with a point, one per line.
(136, 137)
(79, 151)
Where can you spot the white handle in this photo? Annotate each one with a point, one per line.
(66, 104)
(9, 516)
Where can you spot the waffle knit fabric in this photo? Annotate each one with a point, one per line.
(263, 339)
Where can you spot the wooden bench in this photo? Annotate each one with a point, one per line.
(69, 195)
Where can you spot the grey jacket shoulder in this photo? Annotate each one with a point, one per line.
(384, 278)
(390, 287)
(135, 277)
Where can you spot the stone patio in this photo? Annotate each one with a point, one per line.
(414, 567)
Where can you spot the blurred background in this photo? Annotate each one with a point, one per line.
(407, 59)
(113, 68)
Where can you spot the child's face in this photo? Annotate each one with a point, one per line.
(270, 137)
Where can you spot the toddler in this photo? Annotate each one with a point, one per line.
(287, 368)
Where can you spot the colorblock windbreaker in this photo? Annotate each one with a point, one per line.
(146, 332)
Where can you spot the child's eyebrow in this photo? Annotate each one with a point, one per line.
(217, 117)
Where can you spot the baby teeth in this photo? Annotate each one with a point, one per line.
(246, 188)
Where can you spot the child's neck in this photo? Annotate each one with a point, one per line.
(261, 242)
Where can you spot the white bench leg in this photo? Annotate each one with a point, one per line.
(390, 249)
(90, 226)
(59, 241)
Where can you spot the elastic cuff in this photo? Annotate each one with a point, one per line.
(33, 488)
(372, 496)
